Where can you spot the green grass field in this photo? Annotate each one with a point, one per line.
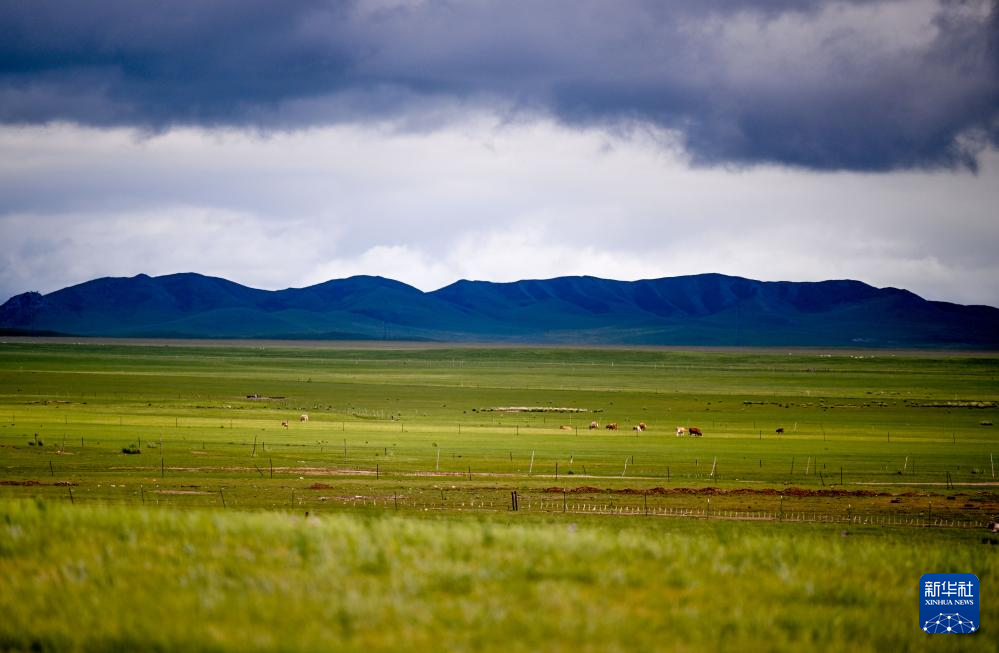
(742, 539)
(118, 578)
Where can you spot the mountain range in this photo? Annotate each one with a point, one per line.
(703, 309)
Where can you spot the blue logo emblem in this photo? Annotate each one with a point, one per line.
(948, 603)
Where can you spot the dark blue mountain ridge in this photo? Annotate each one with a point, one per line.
(703, 309)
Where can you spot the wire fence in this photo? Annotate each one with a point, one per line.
(320, 498)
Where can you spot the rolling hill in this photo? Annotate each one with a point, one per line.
(706, 309)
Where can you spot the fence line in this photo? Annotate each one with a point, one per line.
(300, 499)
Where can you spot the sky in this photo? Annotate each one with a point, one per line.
(281, 144)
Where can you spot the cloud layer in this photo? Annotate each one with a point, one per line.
(861, 86)
(285, 143)
(483, 199)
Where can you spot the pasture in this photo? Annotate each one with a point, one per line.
(441, 517)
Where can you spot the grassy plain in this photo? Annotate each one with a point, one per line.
(741, 539)
(109, 577)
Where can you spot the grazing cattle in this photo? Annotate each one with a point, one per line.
(612, 426)
(565, 427)
(680, 431)
(284, 424)
(780, 430)
(639, 427)
(695, 431)
(303, 418)
(594, 425)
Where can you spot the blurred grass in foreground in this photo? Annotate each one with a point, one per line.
(106, 578)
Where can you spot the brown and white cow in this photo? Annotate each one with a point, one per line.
(612, 426)
(639, 427)
(303, 418)
(594, 425)
(680, 431)
(284, 424)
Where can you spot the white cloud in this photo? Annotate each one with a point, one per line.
(48, 252)
(481, 199)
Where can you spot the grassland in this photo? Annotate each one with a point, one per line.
(622, 541)
(117, 578)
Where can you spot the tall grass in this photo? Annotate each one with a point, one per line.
(104, 578)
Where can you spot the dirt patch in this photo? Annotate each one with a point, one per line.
(982, 484)
(714, 491)
(959, 404)
(534, 409)
(323, 471)
(301, 471)
(34, 483)
(180, 492)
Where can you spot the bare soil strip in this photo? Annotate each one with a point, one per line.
(535, 409)
(981, 484)
(788, 492)
(179, 492)
(31, 483)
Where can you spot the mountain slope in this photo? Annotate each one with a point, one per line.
(708, 309)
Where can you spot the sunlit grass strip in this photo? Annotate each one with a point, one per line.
(121, 578)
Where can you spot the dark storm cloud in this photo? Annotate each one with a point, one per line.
(824, 85)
